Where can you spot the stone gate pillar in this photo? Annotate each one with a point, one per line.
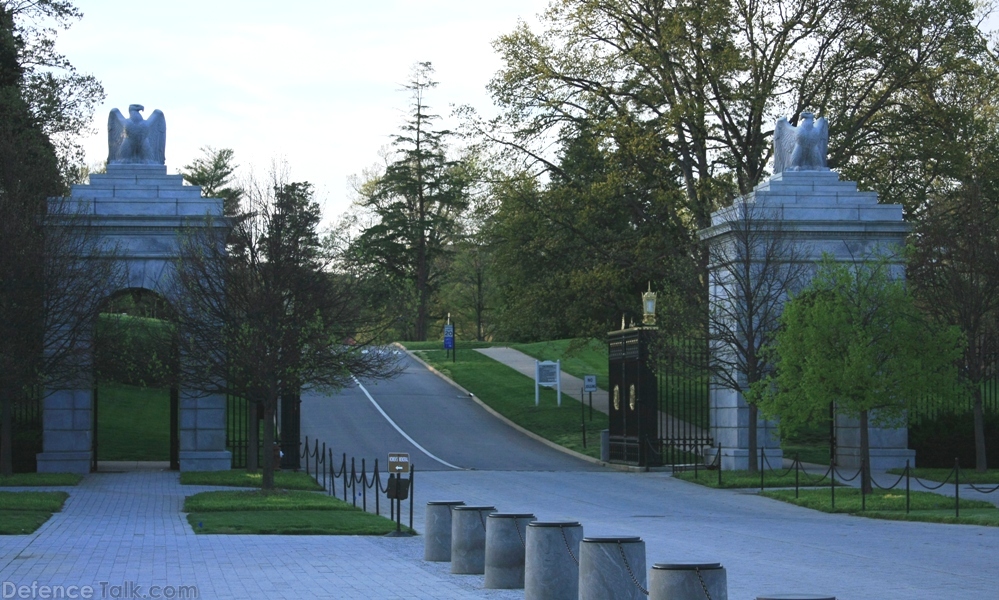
(142, 211)
(822, 214)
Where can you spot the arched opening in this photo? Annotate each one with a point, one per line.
(136, 394)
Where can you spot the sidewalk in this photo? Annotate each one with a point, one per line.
(126, 529)
(573, 387)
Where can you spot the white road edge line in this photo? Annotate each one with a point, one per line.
(399, 429)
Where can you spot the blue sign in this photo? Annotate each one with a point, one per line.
(449, 337)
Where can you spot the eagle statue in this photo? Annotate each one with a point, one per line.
(134, 140)
(801, 148)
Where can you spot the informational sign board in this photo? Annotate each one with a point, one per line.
(449, 337)
(398, 462)
(548, 374)
(589, 383)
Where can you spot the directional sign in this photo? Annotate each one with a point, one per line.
(589, 383)
(398, 462)
(449, 337)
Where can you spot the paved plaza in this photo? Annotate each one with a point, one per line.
(126, 529)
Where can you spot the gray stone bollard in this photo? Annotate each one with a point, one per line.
(468, 539)
(796, 597)
(612, 568)
(505, 546)
(551, 562)
(437, 538)
(688, 581)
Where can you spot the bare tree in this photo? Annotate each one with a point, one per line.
(263, 309)
(755, 267)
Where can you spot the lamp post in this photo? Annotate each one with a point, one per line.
(649, 307)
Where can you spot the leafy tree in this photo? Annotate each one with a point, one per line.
(469, 292)
(269, 313)
(214, 172)
(573, 254)
(757, 267)
(55, 273)
(954, 263)
(418, 202)
(59, 98)
(702, 80)
(854, 337)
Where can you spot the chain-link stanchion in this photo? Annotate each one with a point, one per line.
(631, 573)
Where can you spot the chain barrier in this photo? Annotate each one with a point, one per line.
(567, 548)
(319, 464)
(516, 525)
(704, 586)
(630, 572)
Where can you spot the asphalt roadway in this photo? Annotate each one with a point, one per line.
(767, 547)
(441, 427)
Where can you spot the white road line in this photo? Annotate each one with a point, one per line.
(401, 432)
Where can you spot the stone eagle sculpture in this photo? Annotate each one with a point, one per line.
(134, 140)
(801, 148)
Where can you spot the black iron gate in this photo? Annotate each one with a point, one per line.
(633, 410)
(26, 431)
(684, 383)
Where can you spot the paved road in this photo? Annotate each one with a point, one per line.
(434, 414)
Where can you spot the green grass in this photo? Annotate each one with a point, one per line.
(297, 522)
(24, 512)
(241, 478)
(890, 504)
(579, 357)
(512, 395)
(262, 501)
(133, 423)
(746, 479)
(280, 512)
(33, 501)
(967, 475)
(40, 479)
(814, 454)
(439, 345)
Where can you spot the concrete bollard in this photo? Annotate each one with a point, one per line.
(505, 546)
(437, 539)
(468, 539)
(551, 562)
(688, 581)
(796, 597)
(612, 568)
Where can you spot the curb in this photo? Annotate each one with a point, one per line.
(528, 433)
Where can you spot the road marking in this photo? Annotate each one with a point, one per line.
(401, 432)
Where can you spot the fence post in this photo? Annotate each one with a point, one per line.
(863, 488)
(343, 471)
(412, 472)
(378, 489)
(907, 486)
(832, 484)
(762, 467)
(353, 482)
(364, 484)
(718, 460)
(957, 489)
(306, 455)
(797, 463)
(332, 474)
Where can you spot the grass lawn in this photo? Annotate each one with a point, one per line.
(579, 357)
(745, 479)
(24, 512)
(512, 395)
(890, 504)
(40, 479)
(280, 512)
(133, 423)
(967, 475)
(241, 478)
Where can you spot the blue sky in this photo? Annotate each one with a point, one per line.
(314, 83)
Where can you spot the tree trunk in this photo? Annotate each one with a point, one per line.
(981, 463)
(6, 434)
(753, 442)
(268, 476)
(865, 453)
(252, 435)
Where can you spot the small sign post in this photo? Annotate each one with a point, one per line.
(398, 488)
(548, 374)
(590, 386)
(449, 339)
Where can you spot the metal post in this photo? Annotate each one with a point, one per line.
(762, 467)
(412, 472)
(582, 417)
(797, 465)
(863, 488)
(906, 486)
(957, 489)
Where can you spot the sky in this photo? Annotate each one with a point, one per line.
(315, 83)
